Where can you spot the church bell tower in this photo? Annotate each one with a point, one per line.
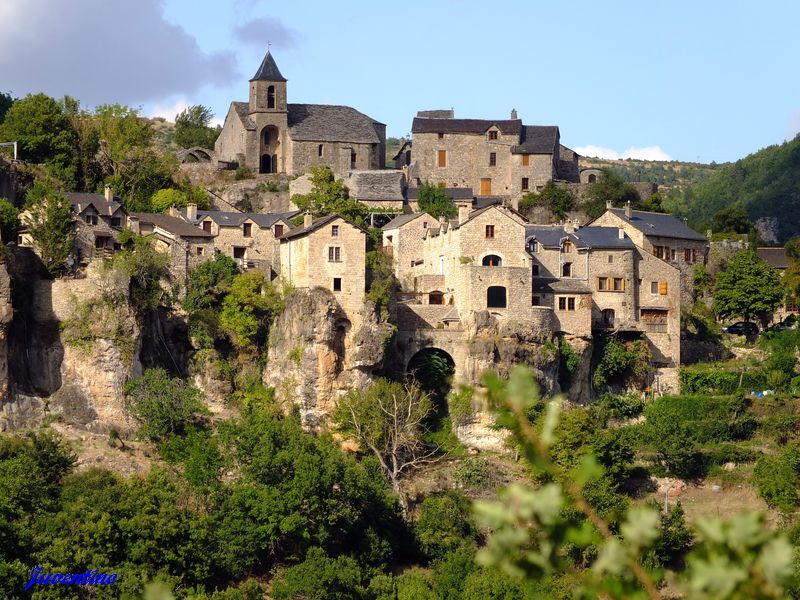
(268, 88)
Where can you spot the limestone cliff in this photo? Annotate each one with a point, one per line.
(6, 314)
(316, 354)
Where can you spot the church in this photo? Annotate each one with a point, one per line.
(269, 135)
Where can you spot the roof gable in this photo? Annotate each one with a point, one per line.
(401, 220)
(657, 224)
(268, 71)
(298, 232)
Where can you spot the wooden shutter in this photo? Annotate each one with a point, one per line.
(662, 288)
(486, 187)
(442, 158)
(526, 160)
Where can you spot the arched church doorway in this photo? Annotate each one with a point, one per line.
(270, 141)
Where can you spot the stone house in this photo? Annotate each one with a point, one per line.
(379, 190)
(502, 158)
(777, 259)
(269, 135)
(251, 239)
(186, 245)
(663, 236)
(329, 253)
(403, 239)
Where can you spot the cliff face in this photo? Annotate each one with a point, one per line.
(316, 354)
(6, 314)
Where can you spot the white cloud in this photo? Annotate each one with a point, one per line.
(263, 30)
(100, 51)
(168, 111)
(645, 153)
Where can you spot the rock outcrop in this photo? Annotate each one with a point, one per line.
(316, 354)
(6, 314)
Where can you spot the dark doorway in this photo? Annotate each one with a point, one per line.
(496, 297)
(433, 370)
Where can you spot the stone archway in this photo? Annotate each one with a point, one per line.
(269, 149)
(433, 369)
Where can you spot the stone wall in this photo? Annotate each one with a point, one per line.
(305, 154)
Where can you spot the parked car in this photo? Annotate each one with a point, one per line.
(746, 328)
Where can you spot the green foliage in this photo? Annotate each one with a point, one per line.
(777, 478)
(445, 524)
(330, 196)
(620, 359)
(163, 199)
(163, 406)
(609, 187)
(242, 173)
(249, 308)
(713, 378)
(472, 473)
(145, 266)
(459, 405)
(618, 407)
(382, 284)
(210, 282)
(44, 134)
(558, 198)
(568, 362)
(9, 215)
(6, 100)
(675, 537)
(191, 127)
(320, 577)
(434, 200)
(50, 224)
(731, 219)
(748, 288)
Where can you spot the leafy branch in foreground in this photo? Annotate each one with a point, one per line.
(534, 530)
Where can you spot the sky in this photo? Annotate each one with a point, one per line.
(693, 81)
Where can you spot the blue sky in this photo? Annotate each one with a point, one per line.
(686, 80)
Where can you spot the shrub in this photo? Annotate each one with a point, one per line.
(619, 406)
(209, 282)
(675, 538)
(241, 173)
(568, 362)
(445, 524)
(320, 577)
(459, 405)
(472, 473)
(620, 359)
(776, 479)
(717, 379)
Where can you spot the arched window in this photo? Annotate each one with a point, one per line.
(592, 178)
(271, 96)
(608, 317)
(566, 247)
(496, 296)
(492, 260)
(566, 270)
(436, 298)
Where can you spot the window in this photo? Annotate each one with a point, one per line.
(424, 224)
(694, 256)
(610, 258)
(116, 222)
(207, 226)
(492, 159)
(654, 287)
(271, 96)
(278, 230)
(352, 159)
(526, 160)
(100, 242)
(566, 303)
(562, 303)
(337, 284)
(238, 252)
(334, 254)
(570, 303)
(566, 270)
(199, 251)
(334, 231)
(535, 270)
(490, 232)
(673, 254)
(247, 230)
(91, 219)
(442, 158)
(658, 251)
(441, 136)
(566, 247)
(536, 301)
(533, 246)
(495, 296)
(492, 260)
(618, 284)
(436, 297)
(608, 317)
(602, 284)
(525, 184)
(492, 135)
(320, 150)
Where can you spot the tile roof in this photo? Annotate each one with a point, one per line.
(376, 185)
(268, 71)
(406, 146)
(583, 238)
(329, 123)
(321, 222)
(401, 220)
(174, 225)
(537, 139)
(243, 112)
(235, 219)
(560, 286)
(79, 201)
(661, 224)
(436, 114)
(478, 126)
(774, 257)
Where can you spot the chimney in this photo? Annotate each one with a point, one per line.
(513, 114)
(174, 212)
(191, 212)
(307, 219)
(576, 224)
(628, 209)
(108, 193)
(569, 227)
(464, 208)
(133, 224)
(609, 206)
(621, 233)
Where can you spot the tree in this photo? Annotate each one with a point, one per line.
(9, 215)
(191, 127)
(387, 419)
(330, 196)
(163, 406)
(435, 201)
(44, 134)
(557, 198)
(145, 265)
(6, 100)
(163, 199)
(609, 187)
(50, 223)
(248, 309)
(748, 287)
(445, 524)
(731, 219)
(210, 282)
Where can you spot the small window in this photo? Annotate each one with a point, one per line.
(207, 226)
(238, 252)
(441, 136)
(337, 284)
(91, 219)
(687, 255)
(562, 303)
(334, 254)
(320, 150)
(442, 158)
(492, 135)
(199, 250)
(525, 184)
(535, 270)
(566, 270)
(602, 284)
(424, 224)
(566, 303)
(490, 232)
(436, 297)
(536, 301)
(116, 222)
(493, 159)
(334, 231)
(492, 260)
(278, 230)
(619, 284)
(570, 303)
(352, 159)
(658, 251)
(247, 230)
(654, 287)
(271, 96)
(533, 246)
(526, 160)
(673, 254)
(566, 247)
(495, 296)
(610, 258)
